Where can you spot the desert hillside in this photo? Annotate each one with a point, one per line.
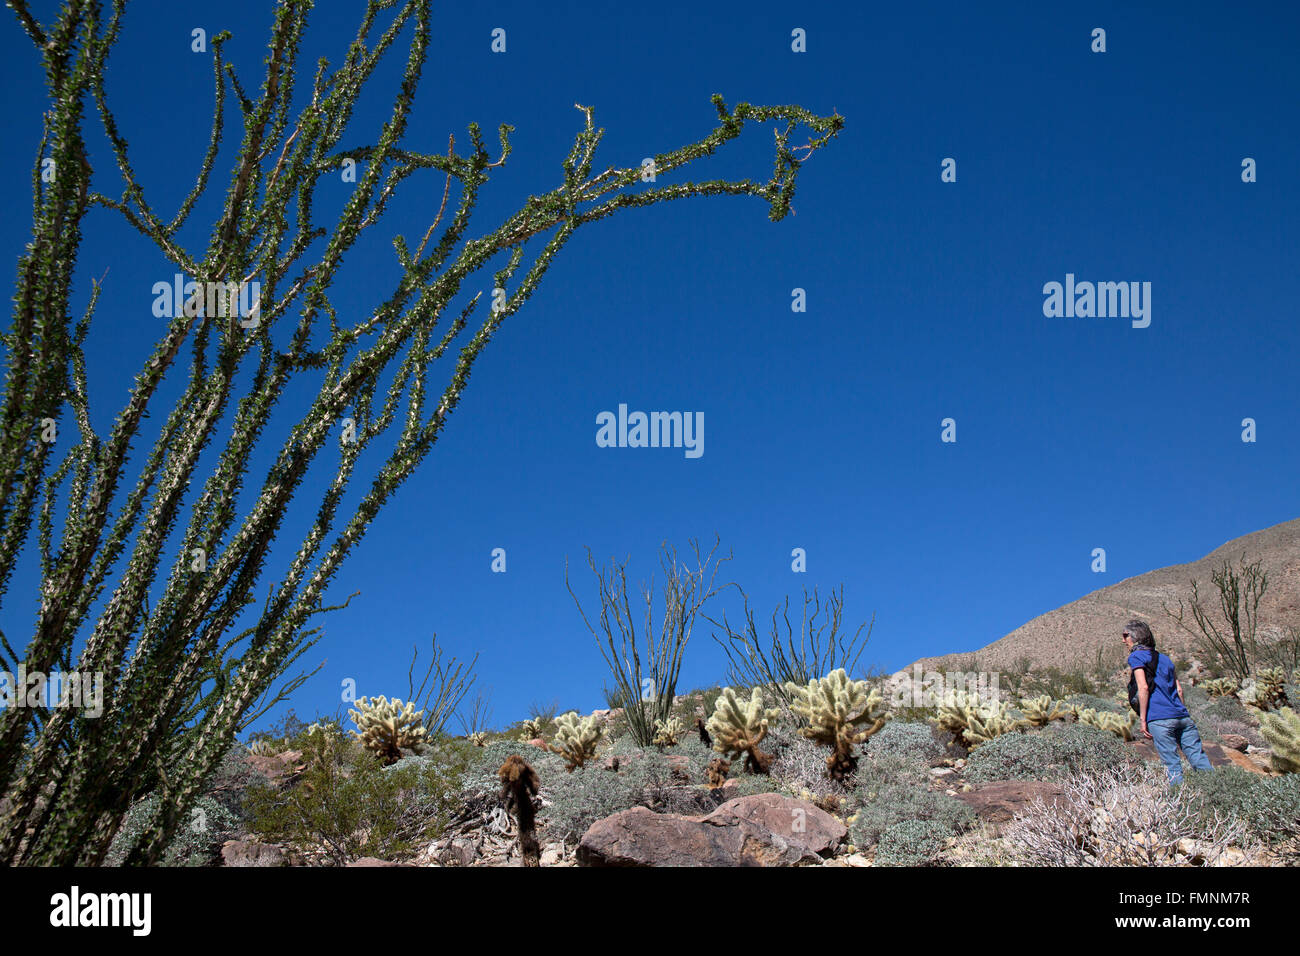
(1071, 634)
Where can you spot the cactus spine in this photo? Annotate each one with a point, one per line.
(738, 728)
(841, 714)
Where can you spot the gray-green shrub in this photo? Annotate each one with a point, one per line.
(906, 739)
(911, 843)
(881, 807)
(1052, 753)
(1269, 806)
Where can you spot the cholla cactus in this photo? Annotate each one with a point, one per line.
(1105, 720)
(266, 748)
(1270, 688)
(737, 728)
(1282, 732)
(841, 714)
(575, 739)
(386, 728)
(974, 721)
(1221, 686)
(531, 728)
(668, 732)
(478, 738)
(1041, 711)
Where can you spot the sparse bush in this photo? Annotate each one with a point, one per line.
(1127, 816)
(1051, 754)
(912, 843)
(800, 770)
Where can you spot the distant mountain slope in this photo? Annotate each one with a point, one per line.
(1071, 634)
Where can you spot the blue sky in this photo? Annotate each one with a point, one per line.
(924, 301)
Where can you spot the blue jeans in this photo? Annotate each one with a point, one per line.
(1170, 734)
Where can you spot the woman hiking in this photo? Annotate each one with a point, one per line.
(1157, 696)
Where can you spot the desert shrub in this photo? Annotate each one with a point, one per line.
(1212, 727)
(911, 843)
(197, 842)
(1195, 696)
(884, 805)
(486, 762)
(1052, 753)
(1126, 816)
(1224, 708)
(1058, 684)
(347, 805)
(914, 742)
(1093, 702)
(1269, 807)
(647, 779)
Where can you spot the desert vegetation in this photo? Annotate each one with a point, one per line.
(1015, 779)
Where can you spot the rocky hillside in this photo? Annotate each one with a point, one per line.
(1071, 635)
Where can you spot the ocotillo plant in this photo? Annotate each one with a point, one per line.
(646, 665)
(180, 676)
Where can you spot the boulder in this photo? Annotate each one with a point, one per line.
(760, 830)
(998, 802)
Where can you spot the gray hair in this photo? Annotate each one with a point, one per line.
(1140, 631)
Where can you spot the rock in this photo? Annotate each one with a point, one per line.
(539, 743)
(761, 830)
(552, 854)
(373, 861)
(248, 853)
(279, 769)
(1234, 742)
(998, 802)
(458, 852)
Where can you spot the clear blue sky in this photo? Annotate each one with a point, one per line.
(823, 428)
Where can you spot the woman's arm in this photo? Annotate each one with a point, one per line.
(1144, 695)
